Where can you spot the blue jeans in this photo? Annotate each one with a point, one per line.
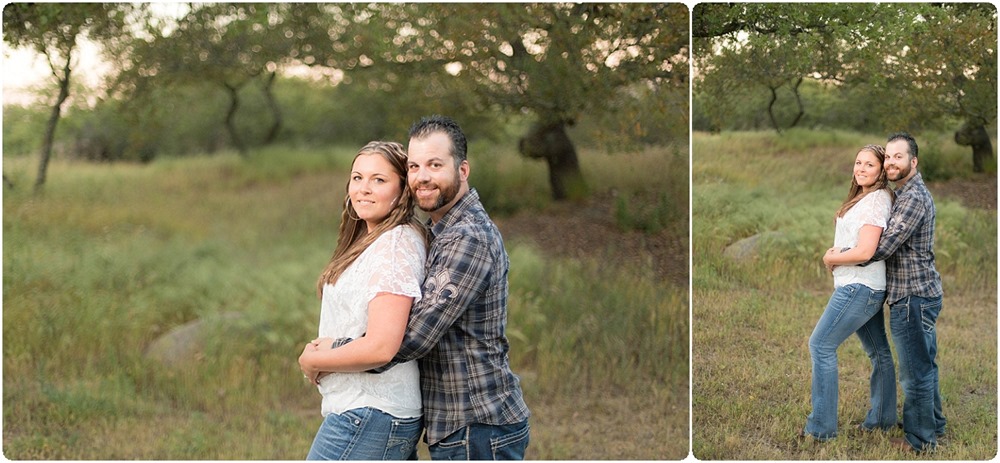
(484, 442)
(913, 320)
(853, 308)
(365, 434)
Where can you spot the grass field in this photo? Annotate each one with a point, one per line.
(113, 256)
(752, 319)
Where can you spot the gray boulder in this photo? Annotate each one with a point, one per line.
(748, 248)
(186, 343)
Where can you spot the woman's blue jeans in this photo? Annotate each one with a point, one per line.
(365, 434)
(853, 308)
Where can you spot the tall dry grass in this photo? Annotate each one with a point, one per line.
(752, 319)
(110, 257)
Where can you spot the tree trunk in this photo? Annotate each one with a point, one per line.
(50, 128)
(550, 142)
(275, 111)
(770, 109)
(974, 134)
(234, 104)
(798, 101)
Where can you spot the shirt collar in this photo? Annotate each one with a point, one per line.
(455, 213)
(907, 186)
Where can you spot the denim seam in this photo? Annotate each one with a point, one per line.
(462, 443)
(873, 297)
(843, 311)
(876, 369)
(362, 420)
(395, 440)
(503, 441)
(928, 327)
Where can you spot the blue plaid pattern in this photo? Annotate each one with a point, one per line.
(907, 244)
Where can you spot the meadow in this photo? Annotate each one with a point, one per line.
(112, 256)
(752, 319)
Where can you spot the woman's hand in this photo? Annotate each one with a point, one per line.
(306, 364)
(827, 258)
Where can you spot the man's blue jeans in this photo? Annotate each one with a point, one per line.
(853, 308)
(365, 434)
(484, 442)
(913, 320)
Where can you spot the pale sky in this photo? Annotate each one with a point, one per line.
(25, 71)
(21, 70)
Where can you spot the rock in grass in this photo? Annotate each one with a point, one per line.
(185, 343)
(749, 247)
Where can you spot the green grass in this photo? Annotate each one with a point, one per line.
(752, 319)
(112, 256)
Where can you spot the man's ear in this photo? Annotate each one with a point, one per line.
(913, 162)
(463, 170)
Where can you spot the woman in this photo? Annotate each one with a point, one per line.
(367, 290)
(856, 303)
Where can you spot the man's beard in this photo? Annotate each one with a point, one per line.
(900, 174)
(445, 196)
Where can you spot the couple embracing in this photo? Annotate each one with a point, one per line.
(883, 253)
(411, 331)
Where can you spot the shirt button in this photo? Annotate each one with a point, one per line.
(357, 422)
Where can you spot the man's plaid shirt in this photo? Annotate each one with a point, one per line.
(907, 244)
(456, 330)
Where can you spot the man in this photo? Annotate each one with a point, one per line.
(914, 294)
(472, 401)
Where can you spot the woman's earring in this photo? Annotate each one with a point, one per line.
(347, 209)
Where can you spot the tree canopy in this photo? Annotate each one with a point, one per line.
(52, 30)
(554, 63)
(914, 63)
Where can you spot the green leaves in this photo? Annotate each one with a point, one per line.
(939, 59)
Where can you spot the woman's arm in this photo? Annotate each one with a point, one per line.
(387, 317)
(867, 243)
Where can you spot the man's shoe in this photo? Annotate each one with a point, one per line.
(902, 444)
(803, 436)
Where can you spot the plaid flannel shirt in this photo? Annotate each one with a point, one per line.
(907, 244)
(456, 331)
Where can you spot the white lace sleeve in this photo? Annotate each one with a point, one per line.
(399, 256)
(874, 209)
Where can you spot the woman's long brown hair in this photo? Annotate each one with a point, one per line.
(354, 234)
(856, 193)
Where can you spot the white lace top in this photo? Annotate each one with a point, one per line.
(873, 209)
(394, 263)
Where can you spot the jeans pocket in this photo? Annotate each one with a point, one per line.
(403, 438)
(875, 301)
(356, 416)
(453, 447)
(928, 315)
(842, 298)
(511, 446)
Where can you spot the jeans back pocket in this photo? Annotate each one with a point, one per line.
(875, 301)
